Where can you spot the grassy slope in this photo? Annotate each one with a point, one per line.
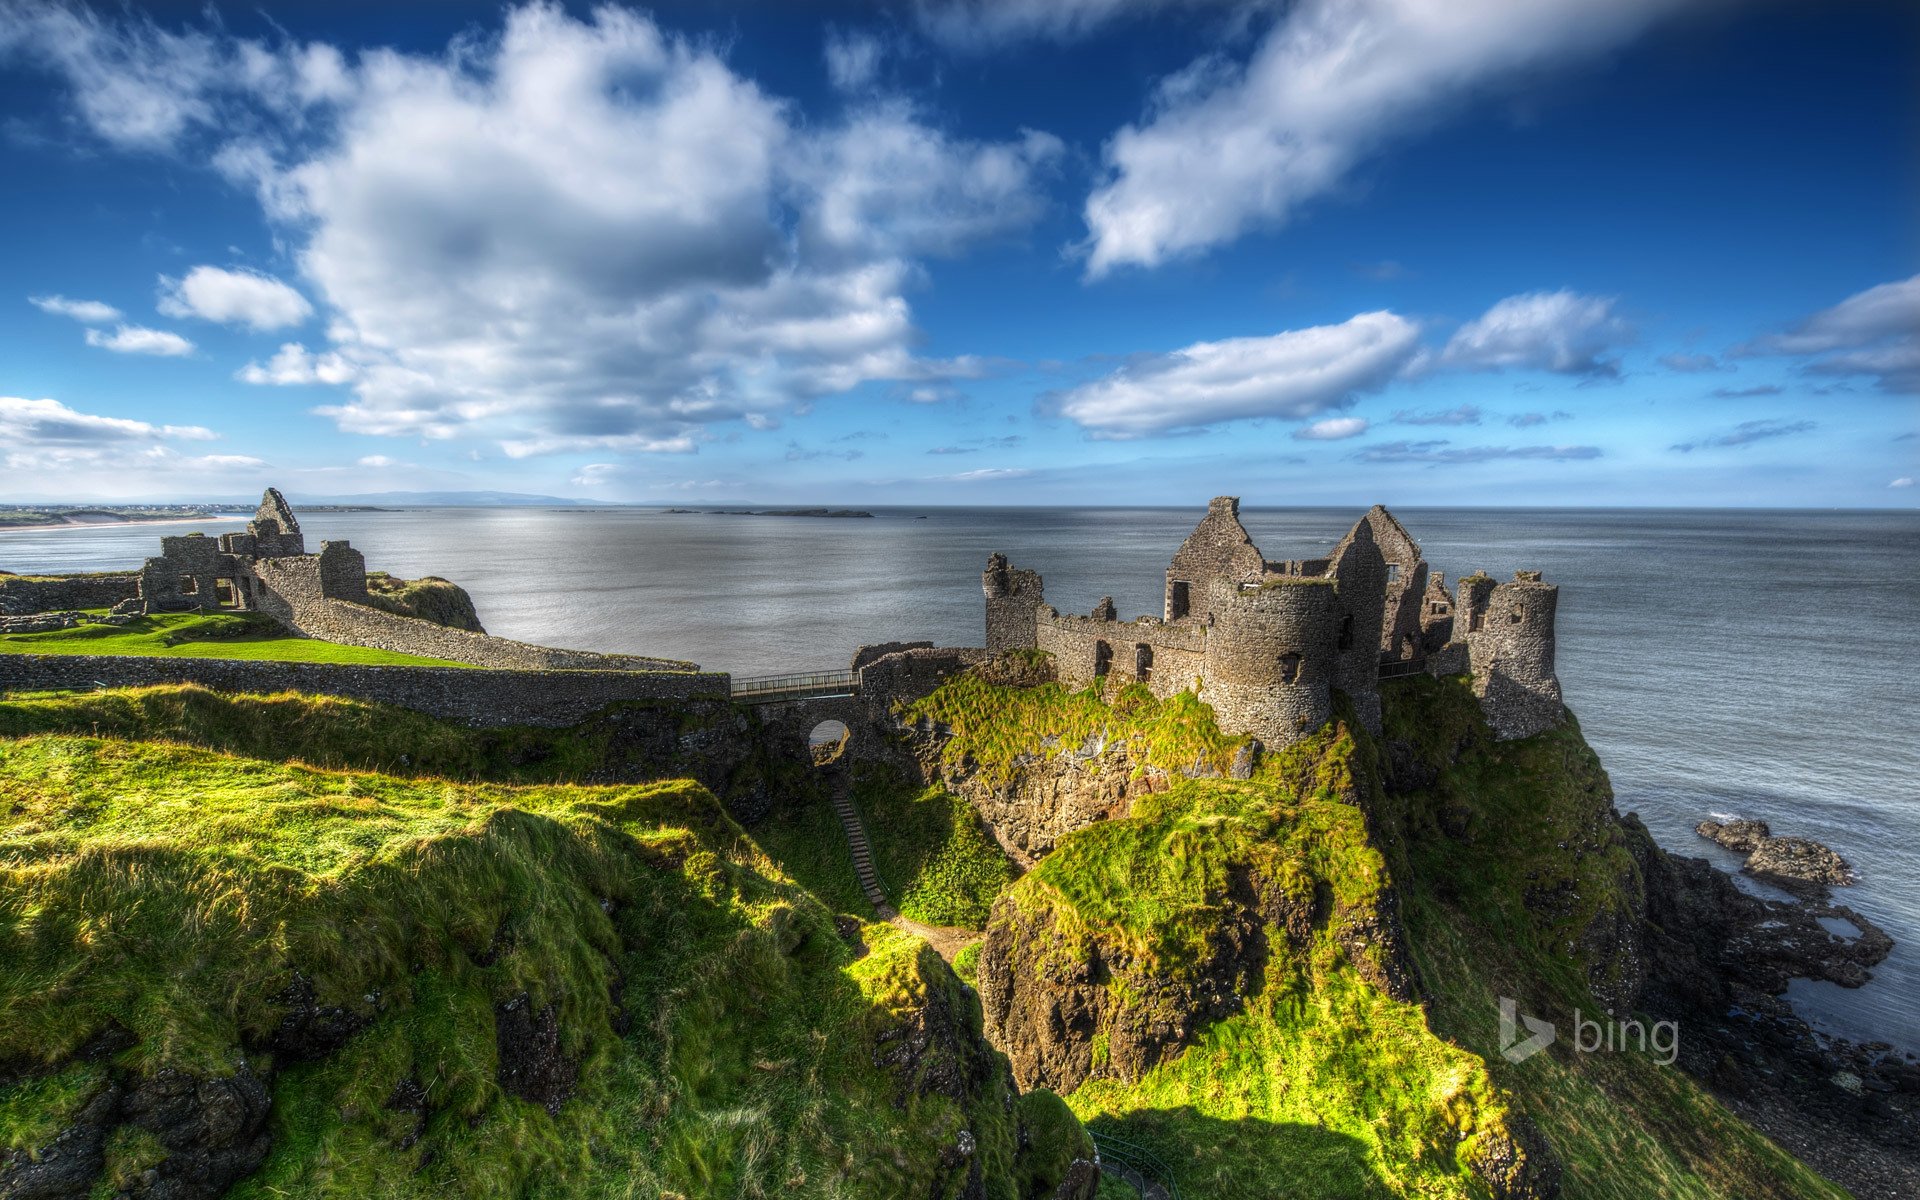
(1324, 1086)
(1625, 1125)
(205, 635)
(167, 889)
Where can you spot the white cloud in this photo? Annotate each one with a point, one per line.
(1869, 333)
(376, 460)
(577, 238)
(93, 455)
(985, 475)
(1544, 331)
(887, 184)
(138, 339)
(579, 234)
(90, 312)
(294, 365)
(258, 301)
(853, 59)
(1332, 429)
(1227, 149)
(1905, 481)
(1296, 374)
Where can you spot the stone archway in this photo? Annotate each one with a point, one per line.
(828, 741)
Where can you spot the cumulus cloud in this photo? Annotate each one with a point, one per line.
(293, 364)
(581, 234)
(90, 312)
(138, 339)
(1871, 333)
(1440, 452)
(1466, 414)
(250, 298)
(1563, 332)
(1297, 374)
(1332, 429)
(1905, 481)
(1746, 433)
(1230, 148)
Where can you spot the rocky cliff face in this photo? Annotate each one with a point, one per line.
(430, 598)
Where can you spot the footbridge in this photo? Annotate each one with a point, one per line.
(777, 689)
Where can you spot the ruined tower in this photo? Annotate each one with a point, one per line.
(1271, 656)
(1218, 548)
(1508, 631)
(1359, 574)
(1013, 597)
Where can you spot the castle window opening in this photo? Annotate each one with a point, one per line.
(827, 742)
(189, 586)
(1143, 662)
(1393, 572)
(1515, 617)
(1102, 659)
(1289, 667)
(1346, 633)
(224, 594)
(1182, 602)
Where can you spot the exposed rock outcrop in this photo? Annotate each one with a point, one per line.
(1799, 865)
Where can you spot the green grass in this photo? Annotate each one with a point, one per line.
(936, 860)
(206, 635)
(173, 892)
(996, 727)
(1511, 856)
(1322, 1084)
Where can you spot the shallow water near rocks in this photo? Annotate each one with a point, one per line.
(1726, 662)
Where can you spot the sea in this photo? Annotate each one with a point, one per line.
(1723, 662)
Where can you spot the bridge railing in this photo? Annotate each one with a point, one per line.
(814, 683)
(1141, 1165)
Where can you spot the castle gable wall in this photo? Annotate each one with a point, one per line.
(1218, 548)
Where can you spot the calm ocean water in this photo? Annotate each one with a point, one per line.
(1745, 662)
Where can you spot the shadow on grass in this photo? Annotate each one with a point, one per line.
(1248, 1159)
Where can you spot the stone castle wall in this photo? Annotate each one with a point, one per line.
(20, 595)
(1271, 658)
(1359, 572)
(1177, 650)
(1510, 644)
(1014, 596)
(474, 698)
(1218, 548)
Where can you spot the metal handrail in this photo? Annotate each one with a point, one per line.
(1138, 1159)
(781, 683)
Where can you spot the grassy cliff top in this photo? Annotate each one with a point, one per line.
(715, 1034)
(206, 635)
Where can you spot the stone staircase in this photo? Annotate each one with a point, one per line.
(857, 843)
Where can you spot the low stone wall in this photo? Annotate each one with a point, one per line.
(1178, 650)
(469, 697)
(352, 624)
(20, 595)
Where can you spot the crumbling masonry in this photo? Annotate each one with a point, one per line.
(1266, 643)
(267, 569)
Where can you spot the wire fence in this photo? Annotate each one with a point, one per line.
(1139, 1166)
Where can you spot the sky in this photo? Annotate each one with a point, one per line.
(998, 252)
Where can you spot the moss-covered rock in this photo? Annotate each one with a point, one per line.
(455, 989)
(429, 598)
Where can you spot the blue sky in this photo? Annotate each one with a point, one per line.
(984, 251)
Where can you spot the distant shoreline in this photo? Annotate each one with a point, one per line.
(43, 528)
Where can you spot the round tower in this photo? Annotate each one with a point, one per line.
(1512, 648)
(1270, 657)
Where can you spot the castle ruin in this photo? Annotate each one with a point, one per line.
(324, 595)
(1266, 643)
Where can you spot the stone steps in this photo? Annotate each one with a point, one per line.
(861, 851)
